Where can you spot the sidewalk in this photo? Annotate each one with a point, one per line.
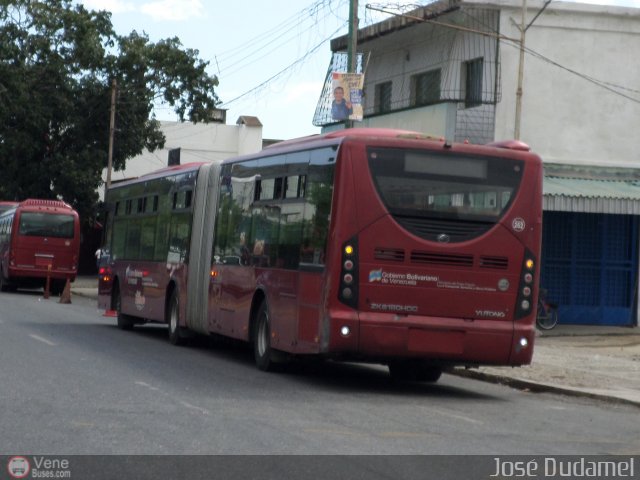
(592, 361)
(86, 286)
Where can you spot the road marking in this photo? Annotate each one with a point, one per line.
(458, 417)
(331, 431)
(146, 385)
(43, 340)
(203, 411)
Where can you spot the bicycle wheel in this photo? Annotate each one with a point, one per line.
(547, 317)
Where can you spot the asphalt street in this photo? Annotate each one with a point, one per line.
(72, 383)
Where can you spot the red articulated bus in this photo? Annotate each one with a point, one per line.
(39, 239)
(370, 245)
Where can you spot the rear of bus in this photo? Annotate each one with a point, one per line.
(435, 252)
(45, 241)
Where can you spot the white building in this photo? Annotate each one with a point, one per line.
(198, 142)
(451, 69)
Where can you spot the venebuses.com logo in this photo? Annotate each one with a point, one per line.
(18, 467)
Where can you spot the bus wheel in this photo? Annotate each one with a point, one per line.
(408, 371)
(3, 282)
(124, 321)
(267, 359)
(173, 319)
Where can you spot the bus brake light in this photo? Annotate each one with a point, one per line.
(348, 292)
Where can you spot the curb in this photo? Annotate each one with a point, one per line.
(80, 293)
(539, 387)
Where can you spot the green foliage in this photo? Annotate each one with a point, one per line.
(57, 62)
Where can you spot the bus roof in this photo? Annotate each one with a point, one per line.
(42, 204)
(338, 136)
(163, 172)
(357, 133)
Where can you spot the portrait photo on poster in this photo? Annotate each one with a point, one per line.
(347, 96)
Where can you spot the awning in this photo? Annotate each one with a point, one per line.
(578, 188)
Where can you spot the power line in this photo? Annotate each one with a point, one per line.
(288, 67)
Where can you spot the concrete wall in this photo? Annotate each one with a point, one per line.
(198, 143)
(565, 117)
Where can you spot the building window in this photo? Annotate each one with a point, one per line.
(425, 88)
(473, 82)
(383, 97)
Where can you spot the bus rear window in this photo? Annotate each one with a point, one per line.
(35, 224)
(419, 186)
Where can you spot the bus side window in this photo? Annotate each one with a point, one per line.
(317, 211)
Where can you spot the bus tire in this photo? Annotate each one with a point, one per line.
(125, 322)
(173, 320)
(267, 359)
(4, 284)
(408, 371)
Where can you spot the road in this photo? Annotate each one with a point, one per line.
(72, 383)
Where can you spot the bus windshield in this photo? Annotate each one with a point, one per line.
(416, 186)
(35, 224)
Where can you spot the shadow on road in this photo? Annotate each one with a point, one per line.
(340, 377)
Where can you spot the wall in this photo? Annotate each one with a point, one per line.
(198, 143)
(566, 118)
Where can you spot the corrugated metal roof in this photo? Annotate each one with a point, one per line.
(573, 188)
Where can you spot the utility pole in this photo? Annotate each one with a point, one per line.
(112, 128)
(352, 45)
(353, 36)
(523, 30)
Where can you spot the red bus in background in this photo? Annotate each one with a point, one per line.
(369, 245)
(39, 239)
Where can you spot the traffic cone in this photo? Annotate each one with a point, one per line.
(66, 293)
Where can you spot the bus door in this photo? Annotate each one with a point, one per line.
(309, 300)
(232, 288)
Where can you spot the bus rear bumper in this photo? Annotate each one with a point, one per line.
(441, 340)
(25, 273)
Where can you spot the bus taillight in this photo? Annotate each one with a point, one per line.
(105, 274)
(524, 302)
(348, 293)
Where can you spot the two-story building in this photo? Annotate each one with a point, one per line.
(452, 69)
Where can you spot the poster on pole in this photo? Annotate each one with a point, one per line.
(347, 96)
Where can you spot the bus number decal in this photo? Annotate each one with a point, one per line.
(388, 307)
(518, 224)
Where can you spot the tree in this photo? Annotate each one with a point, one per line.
(57, 62)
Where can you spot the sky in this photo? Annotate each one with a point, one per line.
(271, 56)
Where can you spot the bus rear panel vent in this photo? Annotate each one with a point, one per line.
(497, 263)
(452, 260)
(390, 254)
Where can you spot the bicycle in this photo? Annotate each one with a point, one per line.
(547, 312)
